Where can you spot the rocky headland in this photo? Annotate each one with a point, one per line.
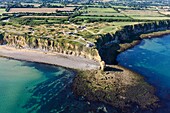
(111, 44)
(113, 85)
(118, 87)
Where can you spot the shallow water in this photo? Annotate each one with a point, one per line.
(151, 58)
(38, 88)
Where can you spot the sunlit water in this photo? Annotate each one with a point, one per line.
(38, 88)
(151, 59)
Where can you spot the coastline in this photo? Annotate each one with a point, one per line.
(109, 86)
(114, 86)
(119, 87)
(52, 58)
(126, 46)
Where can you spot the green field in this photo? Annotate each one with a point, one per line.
(103, 14)
(34, 4)
(92, 12)
(122, 7)
(100, 10)
(142, 13)
(37, 20)
(125, 23)
(2, 10)
(56, 4)
(151, 18)
(45, 17)
(95, 17)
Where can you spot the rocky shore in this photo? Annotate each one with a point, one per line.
(126, 46)
(116, 86)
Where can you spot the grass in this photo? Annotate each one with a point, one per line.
(34, 4)
(103, 14)
(100, 10)
(40, 10)
(124, 23)
(88, 17)
(142, 13)
(122, 7)
(45, 17)
(107, 27)
(37, 21)
(151, 18)
(164, 12)
(2, 10)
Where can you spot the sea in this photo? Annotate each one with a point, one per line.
(28, 87)
(151, 59)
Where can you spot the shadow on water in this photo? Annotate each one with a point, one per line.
(54, 95)
(47, 70)
(51, 94)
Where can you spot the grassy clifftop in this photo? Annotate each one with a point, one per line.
(110, 44)
(86, 40)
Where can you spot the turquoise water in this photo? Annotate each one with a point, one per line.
(151, 58)
(27, 87)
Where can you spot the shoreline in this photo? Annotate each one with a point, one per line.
(120, 81)
(134, 43)
(112, 77)
(66, 61)
(118, 86)
(126, 46)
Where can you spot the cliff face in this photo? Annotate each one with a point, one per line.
(1, 39)
(108, 45)
(47, 44)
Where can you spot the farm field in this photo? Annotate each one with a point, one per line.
(97, 10)
(151, 18)
(44, 17)
(34, 4)
(38, 20)
(142, 13)
(100, 12)
(40, 10)
(121, 14)
(103, 14)
(103, 17)
(2, 10)
(56, 4)
(164, 12)
(103, 20)
(122, 7)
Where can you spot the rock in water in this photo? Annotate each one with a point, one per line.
(102, 109)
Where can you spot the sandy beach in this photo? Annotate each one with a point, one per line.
(49, 58)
